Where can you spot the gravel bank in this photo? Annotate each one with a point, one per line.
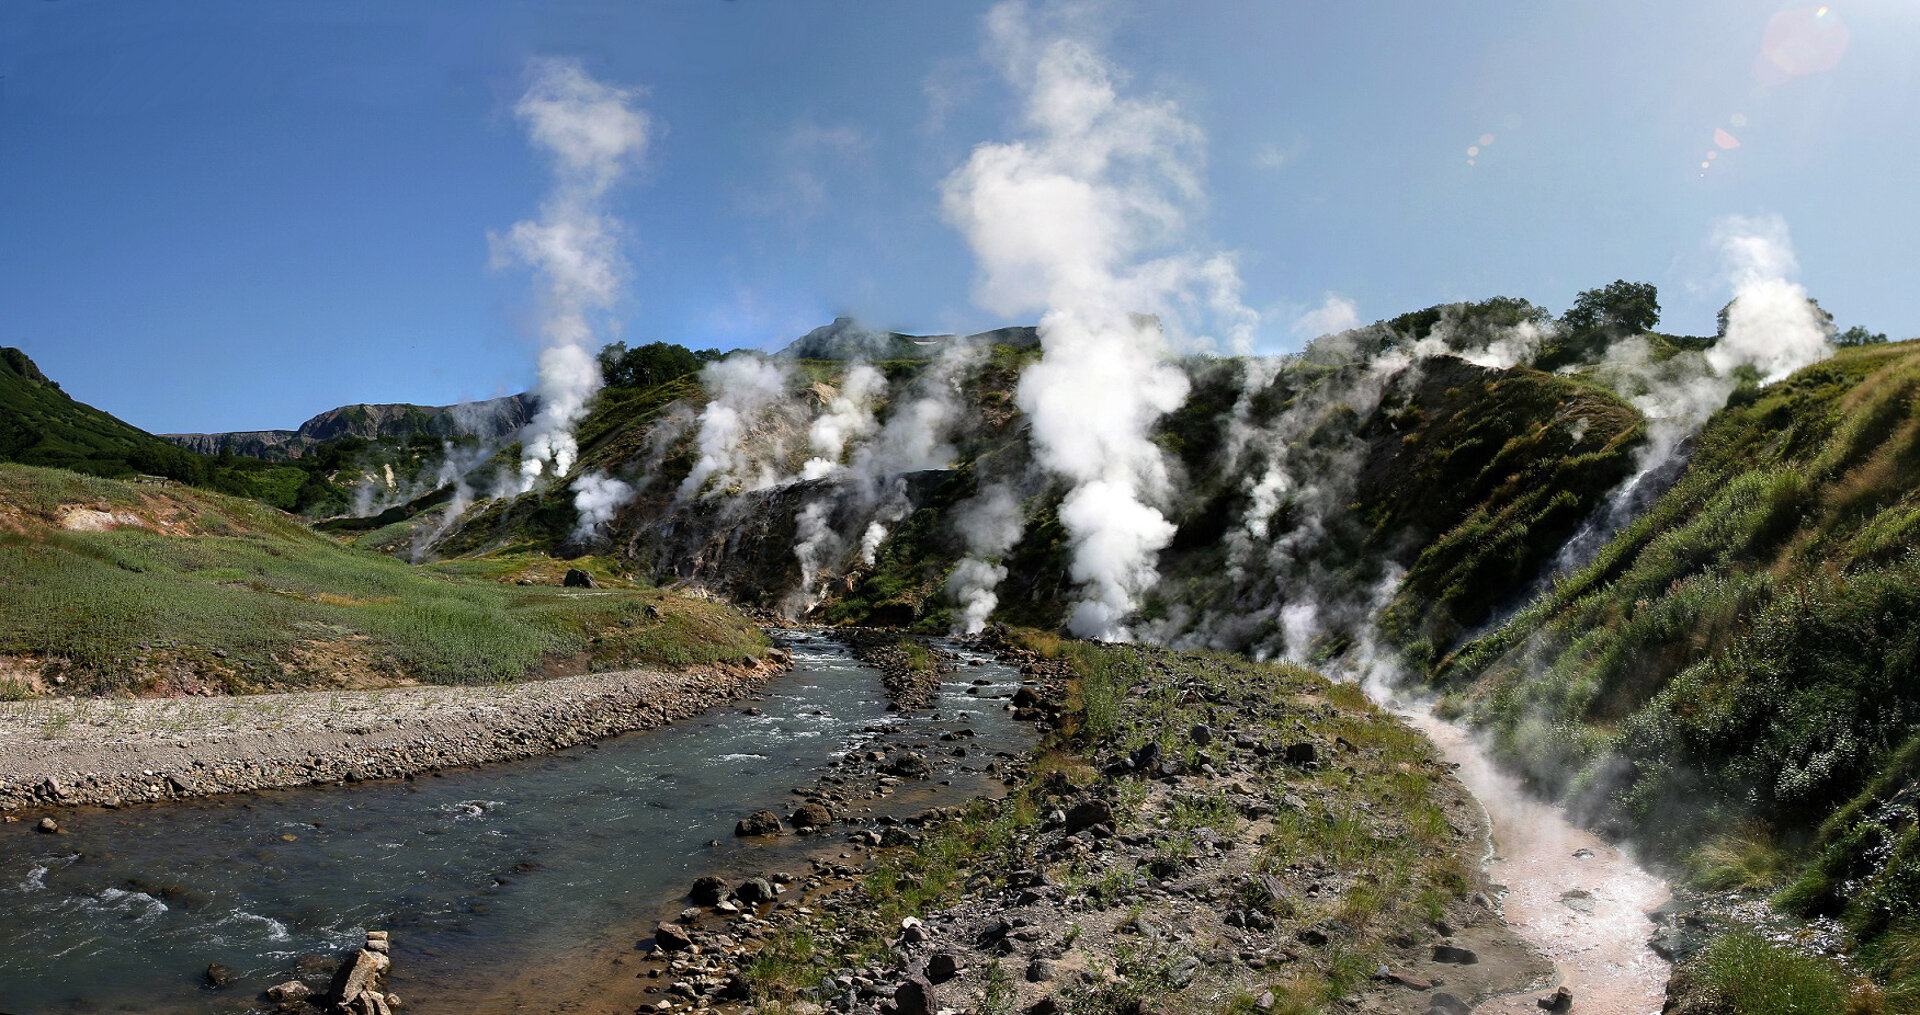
(106, 751)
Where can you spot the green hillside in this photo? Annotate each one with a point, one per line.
(41, 425)
(116, 587)
(1738, 672)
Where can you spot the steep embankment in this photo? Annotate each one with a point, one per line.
(1735, 679)
(158, 589)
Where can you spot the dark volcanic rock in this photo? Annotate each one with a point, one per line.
(708, 891)
(671, 937)
(914, 996)
(1088, 813)
(758, 823)
(1454, 956)
(577, 579)
(811, 816)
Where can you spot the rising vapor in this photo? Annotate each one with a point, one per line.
(593, 135)
(1063, 223)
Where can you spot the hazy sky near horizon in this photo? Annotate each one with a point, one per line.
(233, 215)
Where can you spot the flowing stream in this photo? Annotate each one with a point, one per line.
(486, 876)
(1580, 900)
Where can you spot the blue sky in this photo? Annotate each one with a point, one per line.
(221, 216)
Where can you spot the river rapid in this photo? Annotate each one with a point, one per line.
(482, 874)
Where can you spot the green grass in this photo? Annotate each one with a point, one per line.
(1754, 976)
(258, 601)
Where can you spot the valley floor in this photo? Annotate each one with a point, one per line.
(94, 751)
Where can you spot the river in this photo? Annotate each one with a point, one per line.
(482, 874)
(1583, 902)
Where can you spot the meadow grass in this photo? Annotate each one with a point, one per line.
(259, 600)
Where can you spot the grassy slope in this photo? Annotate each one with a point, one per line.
(1747, 654)
(207, 592)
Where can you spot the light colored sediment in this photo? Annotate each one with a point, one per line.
(110, 751)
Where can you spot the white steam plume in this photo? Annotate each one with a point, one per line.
(848, 418)
(593, 135)
(1772, 328)
(990, 522)
(1061, 222)
(596, 496)
(745, 390)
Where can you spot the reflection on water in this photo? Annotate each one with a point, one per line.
(1578, 899)
(478, 872)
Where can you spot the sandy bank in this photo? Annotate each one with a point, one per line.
(108, 751)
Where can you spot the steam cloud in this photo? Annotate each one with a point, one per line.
(743, 391)
(593, 135)
(1771, 328)
(596, 497)
(990, 523)
(1060, 223)
(848, 418)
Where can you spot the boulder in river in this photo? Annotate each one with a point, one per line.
(708, 891)
(909, 765)
(754, 891)
(290, 992)
(758, 823)
(811, 816)
(671, 937)
(219, 976)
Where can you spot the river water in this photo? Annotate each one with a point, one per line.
(480, 873)
(1579, 899)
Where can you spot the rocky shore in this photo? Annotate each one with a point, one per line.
(1246, 852)
(65, 753)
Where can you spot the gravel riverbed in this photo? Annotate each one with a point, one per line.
(65, 753)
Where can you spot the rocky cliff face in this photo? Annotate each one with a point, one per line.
(495, 419)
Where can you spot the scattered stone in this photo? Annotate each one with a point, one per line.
(671, 937)
(1404, 979)
(708, 891)
(290, 992)
(914, 996)
(1041, 971)
(577, 579)
(1088, 813)
(811, 816)
(1455, 956)
(758, 823)
(908, 765)
(1557, 1002)
(754, 891)
(1579, 900)
(943, 966)
(1302, 754)
(48, 826)
(1446, 1004)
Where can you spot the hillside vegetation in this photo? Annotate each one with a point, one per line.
(1738, 671)
(115, 587)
